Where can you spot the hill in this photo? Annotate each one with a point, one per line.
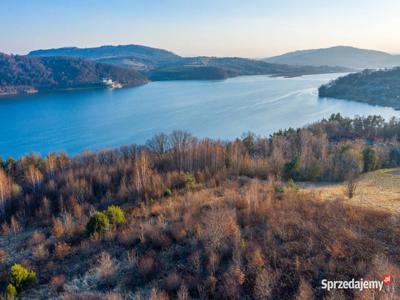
(187, 218)
(338, 56)
(25, 74)
(375, 87)
(136, 57)
(159, 64)
(188, 72)
(71, 68)
(224, 67)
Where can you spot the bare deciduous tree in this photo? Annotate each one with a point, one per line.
(33, 176)
(351, 187)
(5, 190)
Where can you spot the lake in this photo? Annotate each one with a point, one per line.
(95, 119)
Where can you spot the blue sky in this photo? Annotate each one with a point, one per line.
(251, 28)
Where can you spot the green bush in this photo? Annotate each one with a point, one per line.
(190, 181)
(115, 215)
(370, 159)
(292, 169)
(167, 193)
(314, 172)
(11, 291)
(20, 277)
(98, 222)
(292, 186)
(279, 189)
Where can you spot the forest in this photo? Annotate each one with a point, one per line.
(183, 218)
(377, 87)
(25, 74)
(211, 68)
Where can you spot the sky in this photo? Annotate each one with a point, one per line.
(247, 28)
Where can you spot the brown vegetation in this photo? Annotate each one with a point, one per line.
(268, 248)
(217, 233)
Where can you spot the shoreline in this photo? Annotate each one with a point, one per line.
(74, 89)
(35, 91)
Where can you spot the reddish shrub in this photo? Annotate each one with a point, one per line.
(172, 282)
(58, 228)
(305, 291)
(178, 232)
(158, 239)
(183, 293)
(61, 250)
(3, 255)
(232, 282)
(146, 265)
(57, 282)
(37, 238)
(128, 237)
(40, 252)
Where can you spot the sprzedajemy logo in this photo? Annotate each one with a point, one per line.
(357, 284)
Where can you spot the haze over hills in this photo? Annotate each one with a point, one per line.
(225, 67)
(25, 74)
(71, 68)
(137, 57)
(159, 64)
(338, 56)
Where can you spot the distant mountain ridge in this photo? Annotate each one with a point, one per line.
(126, 65)
(26, 74)
(344, 56)
(225, 67)
(159, 64)
(141, 58)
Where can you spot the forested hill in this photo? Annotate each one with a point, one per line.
(375, 87)
(25, 74)
(136, 57)
(159, 64)
(224, 67)
(338, 56)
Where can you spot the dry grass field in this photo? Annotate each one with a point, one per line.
(379, 189)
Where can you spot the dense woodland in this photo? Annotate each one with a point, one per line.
(200, 218)
(24, 74)
(380, 87)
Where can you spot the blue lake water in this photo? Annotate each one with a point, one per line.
(81, 120)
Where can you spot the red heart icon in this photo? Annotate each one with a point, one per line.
(387, 279)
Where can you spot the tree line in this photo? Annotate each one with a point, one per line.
(35, 189)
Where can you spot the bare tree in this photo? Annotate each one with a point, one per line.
(351, 187)
(5, 190)
(180, 141)
(51, 164)
(33, 176)
(159, 144)
(142, 173)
